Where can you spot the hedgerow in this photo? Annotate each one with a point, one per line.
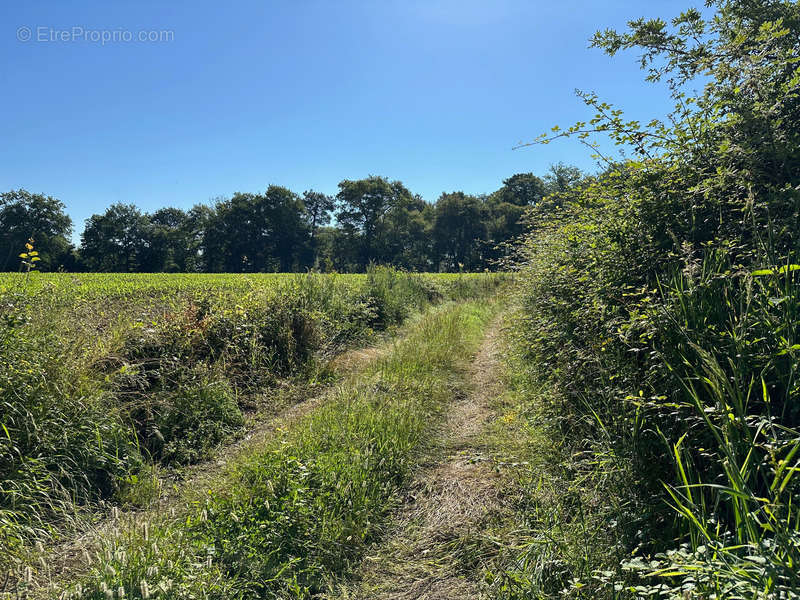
(660, 309)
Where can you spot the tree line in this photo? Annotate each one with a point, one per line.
(369, 221)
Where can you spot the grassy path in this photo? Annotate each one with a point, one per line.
(297, 509)
(69, 558)
(436, 548)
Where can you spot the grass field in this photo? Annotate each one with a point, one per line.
(104, 378)
(298, 511)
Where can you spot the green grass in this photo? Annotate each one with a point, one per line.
(299, 511)
(669, 399)
(564, 499)
(103, 375)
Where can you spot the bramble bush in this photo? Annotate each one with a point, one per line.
(660, 306)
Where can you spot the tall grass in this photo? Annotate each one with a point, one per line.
(674, 402)
(98, 380)
(736, 464)
(301, 510)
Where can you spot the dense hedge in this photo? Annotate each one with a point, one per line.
(661, 305)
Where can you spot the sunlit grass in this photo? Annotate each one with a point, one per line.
(301, 509)
(103, 375)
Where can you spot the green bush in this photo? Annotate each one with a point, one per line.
(660, 307)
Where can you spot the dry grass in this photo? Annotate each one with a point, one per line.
(352, 359)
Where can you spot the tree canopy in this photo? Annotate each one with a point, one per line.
(373, 220)
(25, 216)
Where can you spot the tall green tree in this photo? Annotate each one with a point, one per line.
(336, 251)
(561, 178)
(116, 241)
(259, 233)
(407, 241)
(173, 241)
(522, 189)
(459, 231)
(24, 215)
(363, 208)
(506, 207)
(318, 209)
(198, 219)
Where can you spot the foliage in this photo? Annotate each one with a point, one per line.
(116, 240)
(23, 216)
(318, 208)
(257, 233)
(377, 222)
(660, 308)
(102, 374)
(366, 209)
(302, 509)
(459, 229)
(61, 444)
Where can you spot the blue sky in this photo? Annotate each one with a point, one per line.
(242, 94)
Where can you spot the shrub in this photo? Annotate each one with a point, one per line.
(661, 307)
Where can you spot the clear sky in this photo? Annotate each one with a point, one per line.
(233, 96)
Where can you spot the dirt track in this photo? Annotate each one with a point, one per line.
(433, 550)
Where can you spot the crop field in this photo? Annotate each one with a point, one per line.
(74, 288)
(105, 378)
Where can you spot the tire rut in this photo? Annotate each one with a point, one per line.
(434, 549)
(63, 560)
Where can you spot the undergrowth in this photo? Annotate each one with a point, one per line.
(293, 514)
(657, 336)
(91, 398)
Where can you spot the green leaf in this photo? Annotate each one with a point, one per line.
(788, 268)
(791, 348)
